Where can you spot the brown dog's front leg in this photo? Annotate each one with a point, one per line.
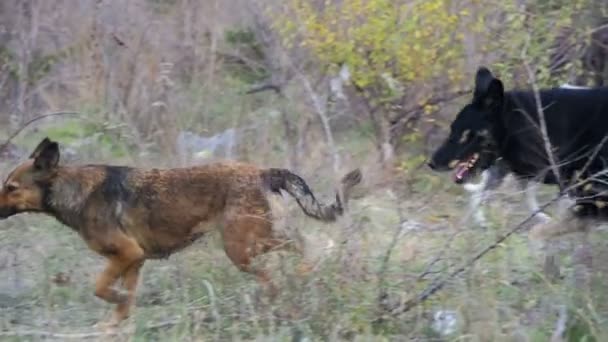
(130, 280)
(125, 261)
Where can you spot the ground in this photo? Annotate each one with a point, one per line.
(47, 274)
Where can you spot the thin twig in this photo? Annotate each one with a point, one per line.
(386, 259)
(409, 113)
(213, 299)
(265, 87)
(560, 325)
(439, 284)
(321, 110)
(595, 153)
(598, 28)
(541, 117)
(29, 122)
(439, 257)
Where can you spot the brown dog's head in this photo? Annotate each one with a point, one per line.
(24, 188)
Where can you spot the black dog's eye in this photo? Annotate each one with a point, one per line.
(11, 187)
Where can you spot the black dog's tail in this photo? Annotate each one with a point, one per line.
(282, 179)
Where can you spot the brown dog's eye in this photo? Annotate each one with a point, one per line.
(11, 187)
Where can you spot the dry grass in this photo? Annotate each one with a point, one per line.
(199, 295)
(402, 234)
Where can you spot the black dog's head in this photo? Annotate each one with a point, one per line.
(470, 146)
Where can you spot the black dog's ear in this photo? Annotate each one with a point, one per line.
(489, 90)
(495, 94)
(482, 81)
(46, 154)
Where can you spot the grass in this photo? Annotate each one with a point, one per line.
(199, 295)
(47, 278)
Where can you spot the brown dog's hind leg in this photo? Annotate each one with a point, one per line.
(246, 237)
(106, 279)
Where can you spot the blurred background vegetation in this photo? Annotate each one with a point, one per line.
(319, 86)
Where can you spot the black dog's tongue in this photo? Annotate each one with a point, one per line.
(461, 172)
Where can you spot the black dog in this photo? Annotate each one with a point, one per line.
(493, 177)
(498, 124)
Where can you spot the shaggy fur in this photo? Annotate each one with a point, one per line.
(505, 124)
(493, 177)
(129, 215)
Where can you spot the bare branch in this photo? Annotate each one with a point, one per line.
(409, 113)
(321, 109)
(560, 325)
(29, 122)
(239, 59)
(265, 87)
(439, 284)
(438, 100)
(598, 28)
(592, 157)
(387, 255)
(439, 257)
(541, 117)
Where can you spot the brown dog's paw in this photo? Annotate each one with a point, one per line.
(107, 325)
(304, 268)
(117, 319)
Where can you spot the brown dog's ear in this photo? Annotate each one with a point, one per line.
(46, 154)
(41, 146)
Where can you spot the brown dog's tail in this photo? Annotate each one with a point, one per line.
(282, 179)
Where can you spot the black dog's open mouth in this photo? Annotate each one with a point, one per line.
(464, 170)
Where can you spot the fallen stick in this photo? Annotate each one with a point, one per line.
(438, 285)
(88, 334)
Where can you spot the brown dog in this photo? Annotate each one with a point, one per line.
(129, 215)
